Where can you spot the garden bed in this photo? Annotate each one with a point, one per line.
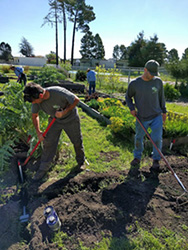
(74, 87)
(107, 207)
(4, 79)
(93, 205)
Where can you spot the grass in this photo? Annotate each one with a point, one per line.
(160, 239)
(183, 109)
(98, 143)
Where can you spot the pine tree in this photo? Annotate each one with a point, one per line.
(98, 50)
(87, 45)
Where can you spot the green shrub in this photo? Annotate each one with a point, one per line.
(184, 89)
(93, 104)
(26, 69)
(49, 76)
(171, 94)
(5, 69)
(67, 65)
(81, 76)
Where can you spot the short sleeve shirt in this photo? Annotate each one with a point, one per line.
(59, 98)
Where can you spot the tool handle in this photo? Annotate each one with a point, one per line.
(162, 156)
(45, 132)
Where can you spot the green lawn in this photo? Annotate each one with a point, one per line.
(183, 109)
(103, 150)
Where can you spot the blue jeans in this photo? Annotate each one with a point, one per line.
(156, 126)
(91, 87)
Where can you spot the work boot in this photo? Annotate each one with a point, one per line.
(84, 165)
(135, 162)
(155, 167)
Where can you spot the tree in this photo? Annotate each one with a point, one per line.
(123, 52)
(153, 50)
(116, 52)
(185, 54)
(25, 48)
(80, 14)
(53, 17)
(91, 46)
(173, 55)
(51, 57)
(120, 52)
(142, 50)
(5, 51)
(175, 69)
(135, 56)
(98, 49)
(87, 45)
(63, 4)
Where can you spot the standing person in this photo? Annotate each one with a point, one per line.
(148, 94)
(60, 103)
(91, 78)
(19, 73)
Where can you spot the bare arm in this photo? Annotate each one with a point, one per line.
(60, 114)
(36, 123)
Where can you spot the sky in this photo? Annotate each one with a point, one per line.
(118, 22)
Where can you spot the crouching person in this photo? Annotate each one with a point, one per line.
(60, 103)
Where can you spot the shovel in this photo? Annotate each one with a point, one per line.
(45, 132)
(24, 217)
(28, 158)
(163, 157)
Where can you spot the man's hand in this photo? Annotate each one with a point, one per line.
(164, 117)
(133, 112)
(60, 113)
(40, 136)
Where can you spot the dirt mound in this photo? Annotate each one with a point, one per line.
(90, 203)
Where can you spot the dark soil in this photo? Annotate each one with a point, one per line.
(89, 203)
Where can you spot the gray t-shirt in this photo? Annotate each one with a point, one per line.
(59, 98)
(148, 96)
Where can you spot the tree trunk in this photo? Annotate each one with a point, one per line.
(65, 28)
(56, 33)
(73, 38)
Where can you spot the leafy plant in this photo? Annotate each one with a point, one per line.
(183, 88)
(67, 65)
(15, 120)
(109, 80)
(5, 69)
(49, 76)
(123, 123)
(81, 76)
(6, 151)
(170, 92)
(93, 103)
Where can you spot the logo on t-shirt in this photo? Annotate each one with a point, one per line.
(56, 106)
(154, 90)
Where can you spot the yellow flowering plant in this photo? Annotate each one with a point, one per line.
(122, 122)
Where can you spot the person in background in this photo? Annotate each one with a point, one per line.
(19, 73)
(60, 103)
(148, 94)
(91, 78)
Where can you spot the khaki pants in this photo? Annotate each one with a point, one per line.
(73, 131)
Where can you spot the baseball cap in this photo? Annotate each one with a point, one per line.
(152, 67)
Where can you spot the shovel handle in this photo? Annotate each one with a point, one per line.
(162, 156)
(45, 132)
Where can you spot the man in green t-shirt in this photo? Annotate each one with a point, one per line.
(60, 103)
